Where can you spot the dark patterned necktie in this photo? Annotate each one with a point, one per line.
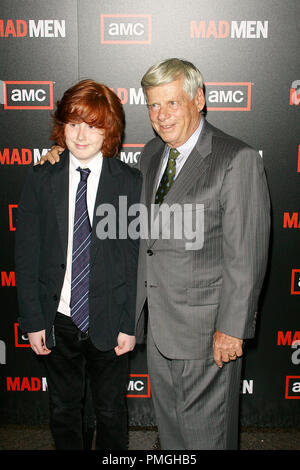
(81, 256)
(167, 178)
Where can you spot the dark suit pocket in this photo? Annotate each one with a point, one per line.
(120, 293)
(209, 295)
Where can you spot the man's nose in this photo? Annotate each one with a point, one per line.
(163, 113)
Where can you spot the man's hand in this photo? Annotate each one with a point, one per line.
(52, 156)
(126, 343)
(226, 348)
(38, 343)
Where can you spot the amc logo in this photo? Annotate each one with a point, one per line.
(21, 340)
(12, 217)
(2, 352)
(130, 153)
(126, 29)
(228, 96)
(138, 386)
(292, 387)
(295, 283)
(295, 93)
(28, 95)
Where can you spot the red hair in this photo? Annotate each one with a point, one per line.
(96, 105)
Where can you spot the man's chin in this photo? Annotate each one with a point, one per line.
(167, 136)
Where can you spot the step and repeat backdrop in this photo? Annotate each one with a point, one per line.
(248, 52)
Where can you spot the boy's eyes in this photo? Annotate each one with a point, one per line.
(74, 124)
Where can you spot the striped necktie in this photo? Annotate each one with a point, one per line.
(167, 178)
(81, 256)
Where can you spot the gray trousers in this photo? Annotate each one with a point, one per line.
(195, 402)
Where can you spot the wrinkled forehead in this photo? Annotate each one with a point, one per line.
(167, 91)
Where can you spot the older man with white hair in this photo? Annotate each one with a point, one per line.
(202, 301)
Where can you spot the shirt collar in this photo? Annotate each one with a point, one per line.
(94, 165)
(186, 148)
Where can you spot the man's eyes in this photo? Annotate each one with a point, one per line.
(156, 107)
(153, 106)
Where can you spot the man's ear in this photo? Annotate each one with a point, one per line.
(200, 99)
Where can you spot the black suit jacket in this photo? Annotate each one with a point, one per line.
(41, 251)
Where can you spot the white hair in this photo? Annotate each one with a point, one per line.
(171, 69)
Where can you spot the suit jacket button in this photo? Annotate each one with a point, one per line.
(145, 283)
(55, 297)
(150, 252)
(62, 266)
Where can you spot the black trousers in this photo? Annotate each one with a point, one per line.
(72, 360)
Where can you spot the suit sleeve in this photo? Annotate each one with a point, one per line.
(245, 210)
(27, 250)
(131, 246)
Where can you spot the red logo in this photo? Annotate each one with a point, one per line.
(21, 341)
(32, 28)
(28, 95)
(26, 384)
(222, 29)
(11, 217)
(139, 386)
(292, 387)
(126, 29)
(130, 153)
(8, 279)
(288, 338)
(295, 283)
(291, 220)
(295, 93)
(228, 96)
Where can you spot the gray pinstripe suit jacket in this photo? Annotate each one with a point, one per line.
(191, 293)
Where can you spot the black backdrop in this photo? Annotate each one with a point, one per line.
(248, 52)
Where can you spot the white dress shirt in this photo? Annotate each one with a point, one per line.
(95, 166)
(184, 151)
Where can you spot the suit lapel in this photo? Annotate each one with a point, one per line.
(107, 193)
(152, 176)
(59, 181)
(194, 167)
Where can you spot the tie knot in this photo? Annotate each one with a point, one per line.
(173, 153)
(84, 173)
